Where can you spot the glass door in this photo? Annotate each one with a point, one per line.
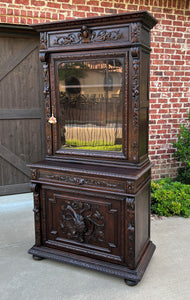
(90, 104)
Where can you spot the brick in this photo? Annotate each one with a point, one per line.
(78, 2)
(89, 15)
(17, 20)
(53, 5)
(83, 8)
(37, 3)
(7, 1)
(98, 9)
(93, 3)
(23, 20)
(132, 7)
(23, 13)
(3, 19)
(79, 14)
(106, 4)
(119, 5)
(10, 19)
(24, 2)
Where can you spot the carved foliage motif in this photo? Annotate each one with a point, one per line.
(34, 174)
(87, 36)
(43, 40)
(82, 222)
(46, 92)
(130, 187)
(84, 181)
(130, 202)
(135, 32)
(135, 97)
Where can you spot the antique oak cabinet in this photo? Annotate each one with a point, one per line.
(92, 191)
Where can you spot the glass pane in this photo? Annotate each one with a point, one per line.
(91, 104)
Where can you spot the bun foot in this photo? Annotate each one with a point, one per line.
(36, 257)
(130, 282)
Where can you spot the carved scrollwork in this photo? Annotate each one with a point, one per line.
(83, 181)
(82, 222)
(87, 36)
(105, 35)
(68, 39)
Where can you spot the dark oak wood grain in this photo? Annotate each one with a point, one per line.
(92, 208)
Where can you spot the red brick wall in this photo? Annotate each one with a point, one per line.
(170, 59)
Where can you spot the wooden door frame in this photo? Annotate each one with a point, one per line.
(19, 31)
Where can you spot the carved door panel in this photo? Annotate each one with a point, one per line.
(88, 225)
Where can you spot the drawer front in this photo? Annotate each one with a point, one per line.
(85, 225)
(82, 180)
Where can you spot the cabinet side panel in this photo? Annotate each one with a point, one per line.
(142, 228)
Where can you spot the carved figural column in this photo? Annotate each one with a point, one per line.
(92, 190)
(46, 93)
(135, 101)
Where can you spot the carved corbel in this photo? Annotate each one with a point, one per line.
(135, 52)
(43, 56)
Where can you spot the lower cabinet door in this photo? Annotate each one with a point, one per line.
(89, 225)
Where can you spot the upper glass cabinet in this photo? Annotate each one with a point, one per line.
(90, 104)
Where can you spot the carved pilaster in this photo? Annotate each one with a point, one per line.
(46, 92)
(37, 214)
(135, 100)
(130, 223)
(130, 187)
(135, 32)
(43, 40)
(125, 106)
(34, 174)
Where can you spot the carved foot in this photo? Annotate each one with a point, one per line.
(35, 257)
(130, 282)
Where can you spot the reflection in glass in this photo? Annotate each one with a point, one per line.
(91, 104)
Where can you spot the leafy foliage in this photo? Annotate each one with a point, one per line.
(182, 152)
(94, 145)
(170, 198)
(76, 69)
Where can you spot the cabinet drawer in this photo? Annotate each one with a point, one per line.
(85, 225)
(82, 180)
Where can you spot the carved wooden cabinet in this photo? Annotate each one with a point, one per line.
(92, 191)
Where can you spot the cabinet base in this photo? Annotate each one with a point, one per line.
(131, 277)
